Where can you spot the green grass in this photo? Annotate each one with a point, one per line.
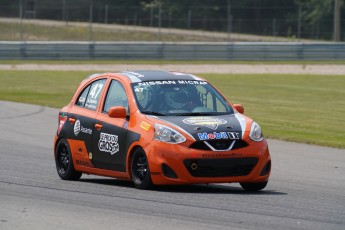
(48, 88)
(301, 108)
(37, 32)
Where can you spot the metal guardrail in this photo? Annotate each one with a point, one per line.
(171, 51)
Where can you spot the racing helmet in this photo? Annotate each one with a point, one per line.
(176, 97)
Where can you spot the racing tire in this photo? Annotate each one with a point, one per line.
(64, 162)
(140, 170)
(253, 187)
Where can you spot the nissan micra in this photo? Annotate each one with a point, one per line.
(159, 128)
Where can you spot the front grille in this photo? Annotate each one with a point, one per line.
(199, 145)
(218, 144)
(220, 167)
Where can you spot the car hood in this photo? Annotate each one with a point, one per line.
(209, 127)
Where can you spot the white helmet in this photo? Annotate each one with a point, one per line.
(176, 98)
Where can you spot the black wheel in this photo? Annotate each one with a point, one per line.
(64, 163)
(253, 187)
(140, 170)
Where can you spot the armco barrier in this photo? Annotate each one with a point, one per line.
(172, 51)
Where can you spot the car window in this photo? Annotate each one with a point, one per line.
(116, 96)
(211, 100)
(179, 98)
(82, 98)
(90, 96)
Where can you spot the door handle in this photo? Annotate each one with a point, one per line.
(98, 126)
(72, 120)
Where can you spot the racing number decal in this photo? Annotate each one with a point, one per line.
(94, 94)
(96, 90)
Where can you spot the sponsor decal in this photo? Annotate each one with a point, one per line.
(234, 135)
(181, 82)
(221, 155)
(209, 122)
(145, 126)
(91, 101)
(218, 135)
(79, 128)
(108, 143)
(212, 136)
(76, 129)
(157, 83)
(86, 130)
(188, 82)
(81, 100)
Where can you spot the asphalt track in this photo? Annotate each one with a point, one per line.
(306, 189)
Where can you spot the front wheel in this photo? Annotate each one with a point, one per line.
(253, 187)
(64, 162)
(140, 170)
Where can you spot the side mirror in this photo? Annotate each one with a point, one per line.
(117, 112)
(239, 108)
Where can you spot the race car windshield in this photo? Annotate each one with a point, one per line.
(179, 98)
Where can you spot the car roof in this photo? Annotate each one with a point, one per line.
(157, 75)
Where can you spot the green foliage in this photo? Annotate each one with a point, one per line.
(315, 10)
(263, 17)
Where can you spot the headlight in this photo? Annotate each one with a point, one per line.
(255, 132)
(166, 134)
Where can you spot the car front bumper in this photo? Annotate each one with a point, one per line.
(178, 164)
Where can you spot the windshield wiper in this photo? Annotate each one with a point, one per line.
(153, 113)
(193, 114)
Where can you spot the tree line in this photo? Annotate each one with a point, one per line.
(294, 18)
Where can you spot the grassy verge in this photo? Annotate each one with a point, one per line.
(301, 108)
(37, 32)
(48, 88)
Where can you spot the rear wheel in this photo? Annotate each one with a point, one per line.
(253, 187)
(140, 170)
(64, 162)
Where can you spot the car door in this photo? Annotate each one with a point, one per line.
(110, 134)
(82, 114)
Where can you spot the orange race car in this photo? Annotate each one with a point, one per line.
(157, 127)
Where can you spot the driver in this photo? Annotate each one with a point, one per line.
(177, 98)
